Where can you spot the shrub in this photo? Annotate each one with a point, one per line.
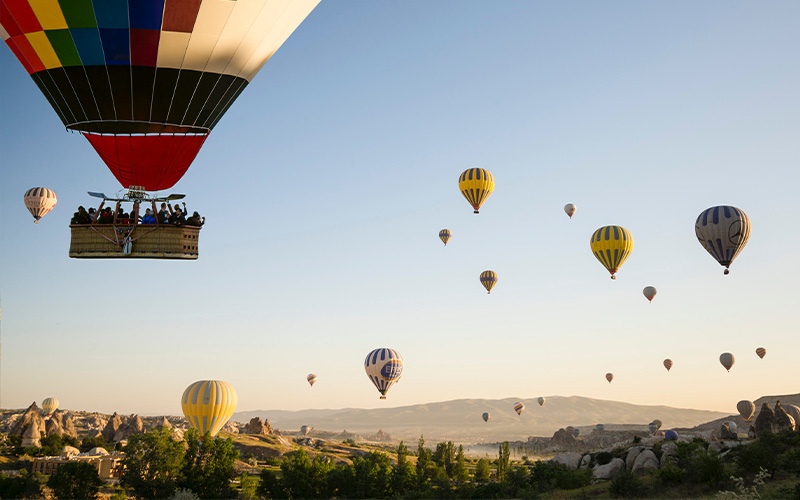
(547, 476)
(604, 457)
(75, 480)
(671, 474)
(626, 485)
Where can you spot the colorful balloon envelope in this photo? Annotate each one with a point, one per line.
(541, 401)
(746, 409)
(39, 201)
(794, 412)
(612, 245)
(208, 405)
(649, 293)
(476, 184)
(519, 408)
(485, 417)
(488, 280)
(445, 235)
(727, 360)
(570, 209)
(723, 231)
(761, 352)
(311, 378)
(384, 367)
(49, 405)
(668, 364)
(670, 436)
(145, 81)
(609, 377)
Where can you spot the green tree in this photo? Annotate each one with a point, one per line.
(444, 456)
(93, 442)
(373, 476)
(152, 464)
(248, 484)
(502, 462)
(424, 461)
(404, 473)
(51, 446)
(208, 466)
(75, 480)
(25, 485)
(482, 471)
(460, 472)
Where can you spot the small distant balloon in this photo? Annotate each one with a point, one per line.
(609, 377)
(49, 405)
(576, 432)
(488, 280)
(305, 430)
(312, 377)
(727, 360)
(445, 235)
(570, 209)
(761, 352)
(600, 427)
(668, 364)
(652, 427)
(746, 409)
(485, 417)
(658, 423)
(39, 201)
(476, 184)
(650, 292)
(670, 436)
(541, 401)
(519, 408)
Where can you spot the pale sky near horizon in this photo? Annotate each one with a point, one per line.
(326, 183)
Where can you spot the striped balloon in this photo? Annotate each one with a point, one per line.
(668, 364)
(794, 412)
(384, 367)
(519, 408)
(445, 235)
(746, 409)
(476, 184)
(723, 231)
(612, 245)
(311, 379)
(488, 280)
(658, 423)
(39, 201)
(609, 377)
(49, 405)
(727, 360)
(208, 404)
(761, 352)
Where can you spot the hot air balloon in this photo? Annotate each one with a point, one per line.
(49, 405)
(609, 377)
(612, 245)
(570, 209)
(652, 427)
(761, 352)
(488, 280)
(731, 425)
(599, 427)
(670, 436)
(649, 292)
(445, 235)
(541, 401)
(570, 430)
(519, 408)
(208, 404)
(658, 423)
(793, 411)
(485, 417)
(476, 184)
(668, 364)
(727, 360)
(723, 231)
(746, 409)
(576, 432)
(384, 367)
(312, 377)
(304, 430)
(39, 201)
(146, 81)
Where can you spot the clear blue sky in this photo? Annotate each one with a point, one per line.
(326, 183)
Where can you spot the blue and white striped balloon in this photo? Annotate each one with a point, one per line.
(723, 231)
(384, 367)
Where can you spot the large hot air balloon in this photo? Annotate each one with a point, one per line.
(304, 430)
(445, 235)
(208, 404)
(570, 209)
(476, 184)
(668, 364)
(488, 280)
(541, 401)
(731, 425)
(670, 436)
(723, 231)
(609, 377)
(793, 411)
(384, 367)
(49, 405)
(612, 245)
(312, 377)
(727, 360)
(39, 201)
(649, 292)
(761, 352)
(746, 409)
(145, 81)
(519, 408)
(485, 417)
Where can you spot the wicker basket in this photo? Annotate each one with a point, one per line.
(104, 241)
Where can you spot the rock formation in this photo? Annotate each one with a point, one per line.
(231, 427)
(32, 436)
(609, 470)
(256, 426)
(645, 462)
(133, 426)
(163, 423)
(31, 415)
(783, 420)
(563, 438)
(380, 436)
(111, 428)
(53, 426)
(765, 420)
(726, 433)
(571, 460)
(68, 426)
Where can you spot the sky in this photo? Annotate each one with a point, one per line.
(325, 186)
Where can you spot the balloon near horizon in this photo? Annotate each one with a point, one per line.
(208, 405)
(384, 368)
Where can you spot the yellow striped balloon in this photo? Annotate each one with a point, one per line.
(39, 201)
(208, 404)
(49, 405)
(488, 280)
(476, 184)
(445, 235)
(612, 245)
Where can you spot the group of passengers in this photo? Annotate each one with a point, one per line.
(166, 215)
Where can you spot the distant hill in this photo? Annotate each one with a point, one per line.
(460, 420)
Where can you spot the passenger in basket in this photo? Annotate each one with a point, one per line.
(106, 217)
(148, 217)
(162, 214)
(178, 217)
(81, 217)
(195, 220)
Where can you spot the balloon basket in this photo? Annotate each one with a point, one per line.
(383, 397)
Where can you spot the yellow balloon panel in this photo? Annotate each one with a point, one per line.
(208, 404)
(476, 184)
